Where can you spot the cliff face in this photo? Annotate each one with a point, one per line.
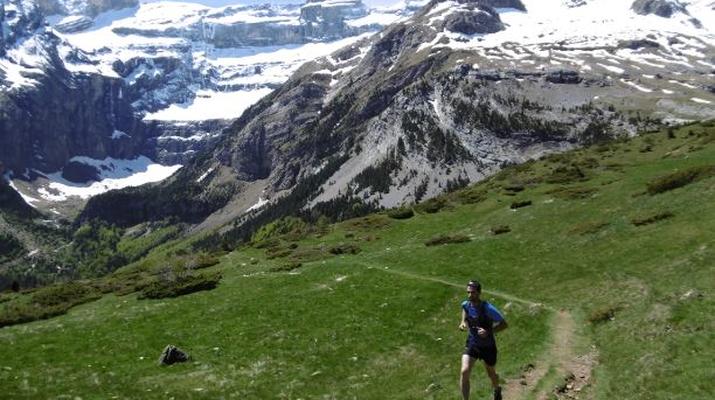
(66, 114)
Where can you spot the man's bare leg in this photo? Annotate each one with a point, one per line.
(492, 375)
(467, 364)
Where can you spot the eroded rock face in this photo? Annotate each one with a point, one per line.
(64, 115)
(661, 8)
(503, 4)
(477, 20)
(90, 8)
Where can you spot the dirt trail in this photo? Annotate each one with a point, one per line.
(574, 371)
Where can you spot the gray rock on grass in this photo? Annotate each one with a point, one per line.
(172, 355)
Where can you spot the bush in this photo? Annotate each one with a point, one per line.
(446, 239)
(64, 293)
(471, 196)
(370, 223)
(572, 193)
(286, 267)
(680, 179)
(650, 219)
(432, 206)
(401, 213)
(588, 227)
(566, 174)
(179, 286)
(344, 249)
(520, 204)
(277, 252)
(500, 229)
(47, 302)
(603, 314)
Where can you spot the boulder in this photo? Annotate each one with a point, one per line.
(477, 20)
(504, 4)
(638, 44)
(564, 76)
(172, 355)
(79, 172)
(661, 8)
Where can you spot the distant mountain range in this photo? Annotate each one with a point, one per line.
(330, 114)
(441, 99)
(111, 81)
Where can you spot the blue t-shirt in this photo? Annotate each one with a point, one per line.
(473, 319)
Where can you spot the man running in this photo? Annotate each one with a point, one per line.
(483, 320)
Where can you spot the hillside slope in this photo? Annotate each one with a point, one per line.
(601, 259)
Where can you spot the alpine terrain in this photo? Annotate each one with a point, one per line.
(288, 198)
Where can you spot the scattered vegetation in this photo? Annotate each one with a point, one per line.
(180, 285)
(520, 204)
(573, 192)
(653, 218)
(286, 267)
(603, 314)
(47, 302)
(405, 212)
(588, 227)
(344, 248)
(447, 239)
(433, 205)
(500, 229)
(680, 179)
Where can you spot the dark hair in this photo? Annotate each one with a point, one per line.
(475, 284)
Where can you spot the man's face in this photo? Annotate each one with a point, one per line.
(472, 293)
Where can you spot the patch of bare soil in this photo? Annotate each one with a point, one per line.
(575, 369)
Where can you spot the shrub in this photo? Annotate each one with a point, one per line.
(277, 252)
(602, 314)
(371, 222)
(344, 249)
(520, 204)
(47, 302)
(471, 196)
(205, 260)
(70, 293)
(499, 229)
(447, 239)
(286, 267)
(401, 213)
(572, 192)
(680, 179)
(163, 288)
(566, 174)
(588, 227)
(650, 219)
(432, 206)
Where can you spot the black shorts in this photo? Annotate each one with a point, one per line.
(488, 354)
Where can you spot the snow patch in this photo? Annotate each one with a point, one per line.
(261, 202)
(210, 105)
(114, 174)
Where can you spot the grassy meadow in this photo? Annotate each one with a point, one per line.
(619, 235)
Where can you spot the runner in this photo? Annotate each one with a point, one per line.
(483, 320)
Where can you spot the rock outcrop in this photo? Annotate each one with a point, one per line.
(661, 8)
(517, 4)
(64, 115)
(474, 20)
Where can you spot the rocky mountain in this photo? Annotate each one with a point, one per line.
(443, 98)
(105, 94)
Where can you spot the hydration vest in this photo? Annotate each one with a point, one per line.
(483, 321)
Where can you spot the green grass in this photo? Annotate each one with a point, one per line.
(381, 323)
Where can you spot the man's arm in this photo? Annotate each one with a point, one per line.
(500, 326)
(463, 323)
